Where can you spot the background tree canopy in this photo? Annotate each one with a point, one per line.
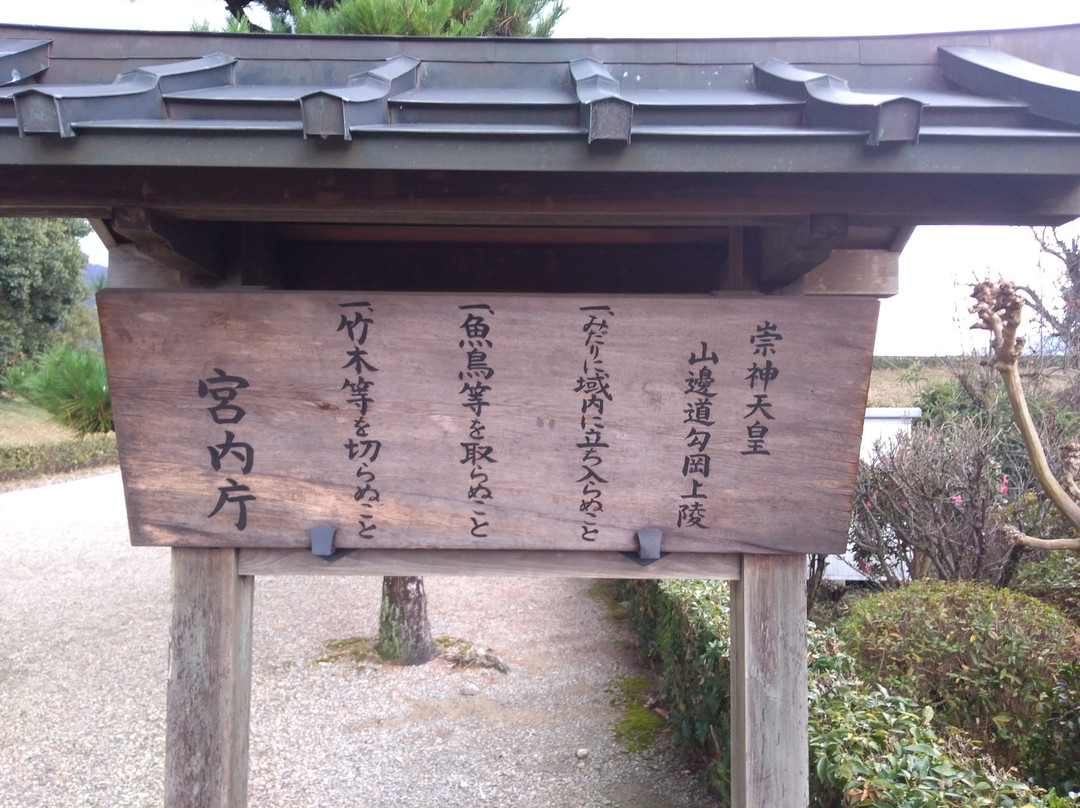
(40, 282)
(529, 18)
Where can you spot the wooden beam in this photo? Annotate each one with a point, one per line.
(335, 233)
(732, 275)
(258, 262)
(769, 713)
(208, 704)
(866, 273)
(531, 200)
(570, 564)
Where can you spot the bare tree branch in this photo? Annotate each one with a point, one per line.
(999, 309)
(1019, 538)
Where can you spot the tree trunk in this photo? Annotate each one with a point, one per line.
(818, 563)
(404, 631)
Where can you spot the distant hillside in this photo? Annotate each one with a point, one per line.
(91, 272)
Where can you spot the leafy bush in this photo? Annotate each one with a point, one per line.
(36, 460)
(69, 384)
(684, 628)
(871, 748)
(867, 747)
(982, 658)
(1051, 753)
(1055, 580)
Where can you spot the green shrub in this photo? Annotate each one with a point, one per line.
(36, 460)
(867, 747)
(871, 748)
(70, 384)
(1051, 753)
(683, 627)
(981, 657)
(1055, 580)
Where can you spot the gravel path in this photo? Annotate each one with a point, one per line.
(83, 657)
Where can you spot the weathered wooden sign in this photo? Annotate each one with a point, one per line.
(487, 421)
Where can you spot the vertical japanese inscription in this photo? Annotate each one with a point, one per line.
(595, 388)
(359, 387)
(698, 422)
(476, 371)
(231, 454)
(759, 376)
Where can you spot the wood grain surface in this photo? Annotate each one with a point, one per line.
(494, 422)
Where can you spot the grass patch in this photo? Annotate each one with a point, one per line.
(357, 650)
(22, 423)
(604, 591)
(900, 386)
(637, 729)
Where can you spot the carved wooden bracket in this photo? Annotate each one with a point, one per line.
(788, 253)
(196, 249)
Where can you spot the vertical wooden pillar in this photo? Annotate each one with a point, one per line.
(209, 692)
(770, 745)
(208, 699)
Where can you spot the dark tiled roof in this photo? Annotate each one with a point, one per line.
(894, 104)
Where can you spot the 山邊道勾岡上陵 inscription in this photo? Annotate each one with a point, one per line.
(428, 421)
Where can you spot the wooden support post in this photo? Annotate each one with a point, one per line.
(209, 691)
(770, 755)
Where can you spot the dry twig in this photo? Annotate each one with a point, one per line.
(999, 308)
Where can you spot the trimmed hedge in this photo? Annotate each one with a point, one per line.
(1055, 580)
(867, 747)
(982, 657)
(43, 459)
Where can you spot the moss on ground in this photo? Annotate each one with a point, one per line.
(637, 729)
(356, 649)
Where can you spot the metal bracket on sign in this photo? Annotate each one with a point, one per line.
(648, 547)
(322, 543)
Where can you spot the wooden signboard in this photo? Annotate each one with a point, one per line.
(488, 422)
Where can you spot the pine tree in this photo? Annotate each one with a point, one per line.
(524, 18)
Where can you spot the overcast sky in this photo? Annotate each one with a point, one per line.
(928, 316)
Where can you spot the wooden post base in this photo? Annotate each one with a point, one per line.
(770, 756)
(208, 705)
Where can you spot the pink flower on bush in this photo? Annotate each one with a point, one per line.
(1004, 487)
(957, 500)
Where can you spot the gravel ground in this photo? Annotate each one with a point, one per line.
(83, 657)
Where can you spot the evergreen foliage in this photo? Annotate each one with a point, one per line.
(518, 18)
(70, 384)
(982, 658)
(868, 748)
(40, 282)
(1054, 580)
